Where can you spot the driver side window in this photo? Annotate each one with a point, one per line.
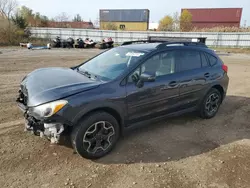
(159, 65)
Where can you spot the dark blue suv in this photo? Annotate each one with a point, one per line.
(122, 88)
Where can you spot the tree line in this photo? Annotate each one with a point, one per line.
(23, 17)
(14, 21)
(176, 22)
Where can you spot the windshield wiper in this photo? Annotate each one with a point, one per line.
(85, 73)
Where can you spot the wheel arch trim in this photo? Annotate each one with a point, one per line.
(110, 108)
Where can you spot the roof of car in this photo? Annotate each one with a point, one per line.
(148, 47)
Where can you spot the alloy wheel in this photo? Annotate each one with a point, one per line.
(98, 137)
(212, 103)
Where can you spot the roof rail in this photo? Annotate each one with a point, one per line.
(141, 41)
(183, 43)
(178, 39)
(167, 43)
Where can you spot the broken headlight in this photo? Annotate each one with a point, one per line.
(48, 109)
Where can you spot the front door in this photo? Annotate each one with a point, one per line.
(153, 99)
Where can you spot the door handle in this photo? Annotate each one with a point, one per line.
(173, 84)
(207, 75)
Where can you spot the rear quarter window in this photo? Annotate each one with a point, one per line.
(212, 60)
(204, 60)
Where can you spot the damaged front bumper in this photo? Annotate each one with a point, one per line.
(52, 131)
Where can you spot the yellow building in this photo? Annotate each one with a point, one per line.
(129, 26)
(128, 19)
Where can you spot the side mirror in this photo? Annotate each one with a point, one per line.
(146, 77)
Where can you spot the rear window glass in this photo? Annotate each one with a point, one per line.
(190, 60)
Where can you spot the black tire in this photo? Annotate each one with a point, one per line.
(205, 111)
(101, 46)
(83, 128)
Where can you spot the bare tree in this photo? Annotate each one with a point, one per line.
(63, 17)
(176, 19)
(97, 22)
(7, 8)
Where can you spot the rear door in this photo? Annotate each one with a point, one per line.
(154, 99)
(195, 73)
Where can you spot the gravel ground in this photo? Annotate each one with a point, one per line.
(181, 152)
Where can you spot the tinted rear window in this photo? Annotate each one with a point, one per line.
(213, 60)
(190, 60)
(204, 60)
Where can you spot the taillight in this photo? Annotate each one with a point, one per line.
(225, 68)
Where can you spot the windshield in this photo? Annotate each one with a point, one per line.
(109, 65)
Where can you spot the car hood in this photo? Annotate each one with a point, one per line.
(49, 84)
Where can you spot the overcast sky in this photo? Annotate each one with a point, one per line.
(89, 9)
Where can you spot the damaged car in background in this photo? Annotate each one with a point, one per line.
(119, 89)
